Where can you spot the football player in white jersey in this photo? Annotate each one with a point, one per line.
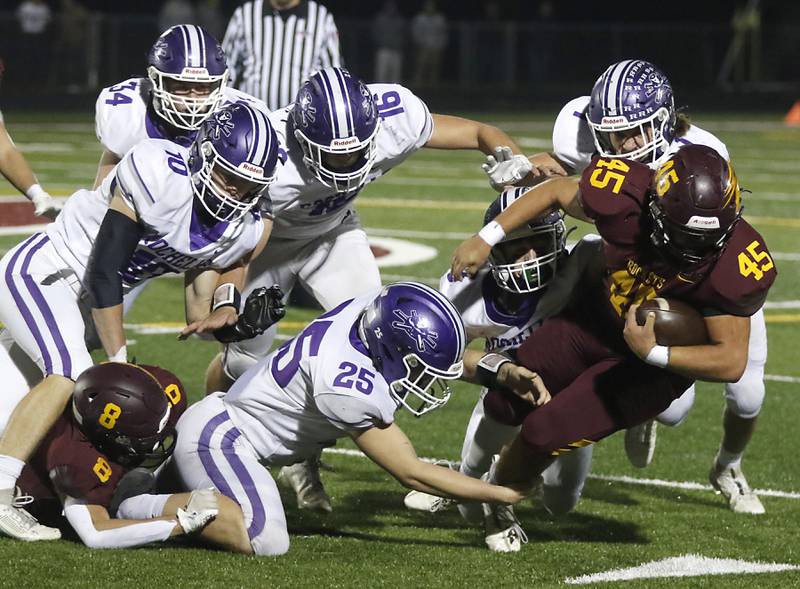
(187, 79)
(530, 277)
(631, 112)
(344, 375)
(339, 135)
(164, 209)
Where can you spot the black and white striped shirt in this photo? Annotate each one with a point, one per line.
(272, 52)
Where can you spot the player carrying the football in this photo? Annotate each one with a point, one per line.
(676, 232)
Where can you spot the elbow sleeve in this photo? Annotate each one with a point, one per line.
(115, 243)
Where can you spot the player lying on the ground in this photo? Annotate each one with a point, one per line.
(339, 135)
(345, 374)
(92, 471)
(619, 118)
(530, 276)
(164, 209)
(676, 233)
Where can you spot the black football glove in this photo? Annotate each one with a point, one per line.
(262, 309)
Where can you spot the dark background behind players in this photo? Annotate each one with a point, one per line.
(536, 51)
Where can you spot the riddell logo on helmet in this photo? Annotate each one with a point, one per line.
(344, 142)
(194, 71)
(613, 120)
(697, 222)
(247, 167)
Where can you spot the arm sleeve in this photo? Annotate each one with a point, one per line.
(145, 506)
(116, 241)
(134, 534)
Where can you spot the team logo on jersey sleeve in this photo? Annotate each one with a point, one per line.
(416, 328)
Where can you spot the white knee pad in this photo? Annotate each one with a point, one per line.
(272, 543)
(745, 397)
(564, 480)
(676, 413)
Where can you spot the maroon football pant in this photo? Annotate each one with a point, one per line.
(597, 388)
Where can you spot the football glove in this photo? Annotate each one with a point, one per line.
(504, 168)
(199, 511)
(262, 309)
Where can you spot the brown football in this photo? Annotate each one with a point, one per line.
(677, 323)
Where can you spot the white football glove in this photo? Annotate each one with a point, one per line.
(43, 203)
(504, 168)
(199, 511)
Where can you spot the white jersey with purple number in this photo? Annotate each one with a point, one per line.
(153, 179)
(122, 120)
(312, 390)
(477, 300)
(305, 207)
(573, 143)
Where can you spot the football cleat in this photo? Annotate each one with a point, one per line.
(503, 532)
(730, 482)
(419, 501)
(17, 523)
(640, 443)
(304, 479)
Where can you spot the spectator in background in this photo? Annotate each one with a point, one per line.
(175, 12)
(209, 16)
(303, 39)
(429, 33)
(33, 17)
(69, 59)
(389, 34)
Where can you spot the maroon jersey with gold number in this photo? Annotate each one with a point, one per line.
(615, 194)
(67, 463)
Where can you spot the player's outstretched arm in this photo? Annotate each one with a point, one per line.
(116, 241)
(496, 370)
(16, 170)
(458, 133)
(390, 449)
(556, 193)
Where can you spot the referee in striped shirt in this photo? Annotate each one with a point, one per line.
(273, 46)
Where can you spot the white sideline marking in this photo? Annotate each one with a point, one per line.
(685, 485)
(782, 305)
(687, 565)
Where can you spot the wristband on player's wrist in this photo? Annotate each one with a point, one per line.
(658, 356)
(492, 233)
(226, 295)
(489, 367)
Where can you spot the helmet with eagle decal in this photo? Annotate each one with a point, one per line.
(416, 340)
(233, 161)
(696, 204)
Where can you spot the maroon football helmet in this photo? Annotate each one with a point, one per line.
(125, 413)
(695, 204)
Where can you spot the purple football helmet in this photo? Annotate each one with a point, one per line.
(512, 266)
(416, 340)
(336, 124)
(233, 161)
(632, 94)
(183, 57)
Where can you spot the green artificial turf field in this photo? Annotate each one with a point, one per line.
(436, 199)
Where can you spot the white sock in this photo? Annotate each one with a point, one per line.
(10, 469)
(729, 459)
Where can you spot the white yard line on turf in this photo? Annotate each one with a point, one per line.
(681, 485)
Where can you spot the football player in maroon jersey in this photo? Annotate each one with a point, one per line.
(96, 464)
(676, 232)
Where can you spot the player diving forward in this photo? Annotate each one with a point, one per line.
(164, 209)
(339, 135)
(530, 276)
(344, 375)
(676, 233)
(631, 112)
